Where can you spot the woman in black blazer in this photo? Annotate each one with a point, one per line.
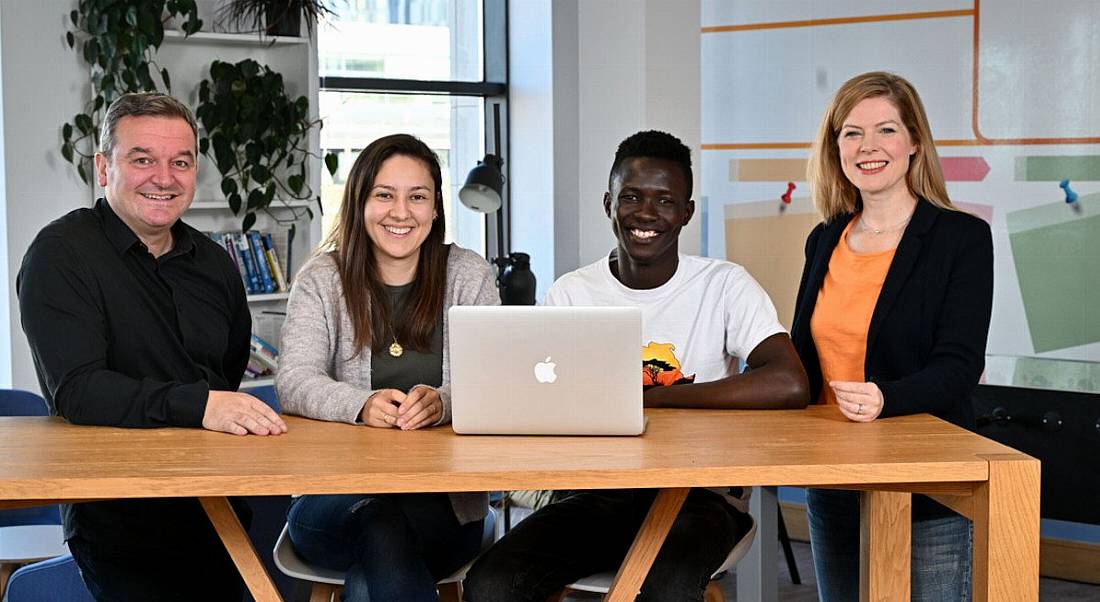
(892, 312)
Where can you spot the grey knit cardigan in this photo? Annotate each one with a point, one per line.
(321, 376)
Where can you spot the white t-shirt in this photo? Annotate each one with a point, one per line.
(694, 327)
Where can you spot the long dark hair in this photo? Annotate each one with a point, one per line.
(364, 292)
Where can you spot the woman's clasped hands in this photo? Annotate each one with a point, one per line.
(391, 408)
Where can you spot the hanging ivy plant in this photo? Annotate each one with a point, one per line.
(257, 136)
(118, 41)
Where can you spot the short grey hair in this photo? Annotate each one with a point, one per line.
(143, 104)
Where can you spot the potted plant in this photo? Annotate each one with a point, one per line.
(118, 41)
(274, 17)
(257, 136)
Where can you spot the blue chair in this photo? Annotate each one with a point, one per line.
(27, 534)
(265, 394)
(53, 580)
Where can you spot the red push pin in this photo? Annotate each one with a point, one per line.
(786, 197)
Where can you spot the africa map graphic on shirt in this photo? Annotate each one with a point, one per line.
(660, 366)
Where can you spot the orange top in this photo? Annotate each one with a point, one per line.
(842, 315)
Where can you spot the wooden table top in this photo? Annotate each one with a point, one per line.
(46, 458)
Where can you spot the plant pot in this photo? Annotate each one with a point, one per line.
(283, 21)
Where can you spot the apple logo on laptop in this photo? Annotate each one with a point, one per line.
(544, 371)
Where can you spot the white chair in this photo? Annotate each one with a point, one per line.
(600, 583)
(328, 583)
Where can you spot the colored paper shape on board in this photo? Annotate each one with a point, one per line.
(767, 170)
(1056, 252)
(983, 211)
(771, 246)
(964, 169)
(1055, 168)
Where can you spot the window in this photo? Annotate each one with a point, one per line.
(430, 68)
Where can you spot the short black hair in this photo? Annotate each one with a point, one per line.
(654, 145)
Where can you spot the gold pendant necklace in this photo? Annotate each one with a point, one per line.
(396, 350)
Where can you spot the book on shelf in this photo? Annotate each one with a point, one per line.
(261, 257)
(267, 326)
(263, 358)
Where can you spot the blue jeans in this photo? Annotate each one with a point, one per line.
(940, 568)
(391, 547)
(591, 531)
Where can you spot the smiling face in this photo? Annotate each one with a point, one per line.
(399, 212)
(875, 147)
(149, 178)
(649, 202)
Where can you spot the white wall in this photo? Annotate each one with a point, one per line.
(43, 86)
(583, 76)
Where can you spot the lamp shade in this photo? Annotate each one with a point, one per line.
(483, 186)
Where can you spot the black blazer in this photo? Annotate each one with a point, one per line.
(926, 341)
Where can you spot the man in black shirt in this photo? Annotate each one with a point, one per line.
(136, 319)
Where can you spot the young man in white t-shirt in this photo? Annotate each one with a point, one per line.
(699, 316)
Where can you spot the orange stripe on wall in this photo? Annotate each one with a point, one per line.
(788, 145)
(939, 14)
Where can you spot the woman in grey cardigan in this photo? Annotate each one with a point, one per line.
(365, 342)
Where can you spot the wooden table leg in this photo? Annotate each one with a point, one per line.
(1006, 530)
(885, 524)
(628, 581)
(240, 548)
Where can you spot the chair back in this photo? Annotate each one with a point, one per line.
(48, 581)
(14, 402)
(267, 395)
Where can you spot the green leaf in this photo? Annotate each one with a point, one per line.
(295, 182)
(167, 81)
(82, 172)
(91, 51)
(229, 186)
(248, 221)
(67, 133)
(204, 145)
(261, 174)
(67, 149)
(74, 16)
(98, 102)
(132, 16)
(83, 123)
(332, 163)
(235, 203)
(256, 199)
(70, 38)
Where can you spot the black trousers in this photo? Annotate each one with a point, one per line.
(180, 559)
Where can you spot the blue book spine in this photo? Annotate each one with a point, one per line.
(249, 263)
(258, 255)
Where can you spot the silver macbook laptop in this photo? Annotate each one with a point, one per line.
(522, 370)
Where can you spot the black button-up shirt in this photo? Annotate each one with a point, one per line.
(122, 338)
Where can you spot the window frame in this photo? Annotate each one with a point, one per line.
(493, 89)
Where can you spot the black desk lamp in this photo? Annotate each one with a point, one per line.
(482, 194)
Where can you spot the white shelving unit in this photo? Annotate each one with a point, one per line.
(187, 59)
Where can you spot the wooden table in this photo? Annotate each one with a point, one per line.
(44, 459)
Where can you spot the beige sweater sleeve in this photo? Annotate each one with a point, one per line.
(320, 374)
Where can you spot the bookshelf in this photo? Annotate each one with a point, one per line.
(187, 59)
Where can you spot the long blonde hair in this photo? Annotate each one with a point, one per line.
(833, 193)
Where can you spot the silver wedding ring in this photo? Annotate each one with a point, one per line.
(859, 410)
